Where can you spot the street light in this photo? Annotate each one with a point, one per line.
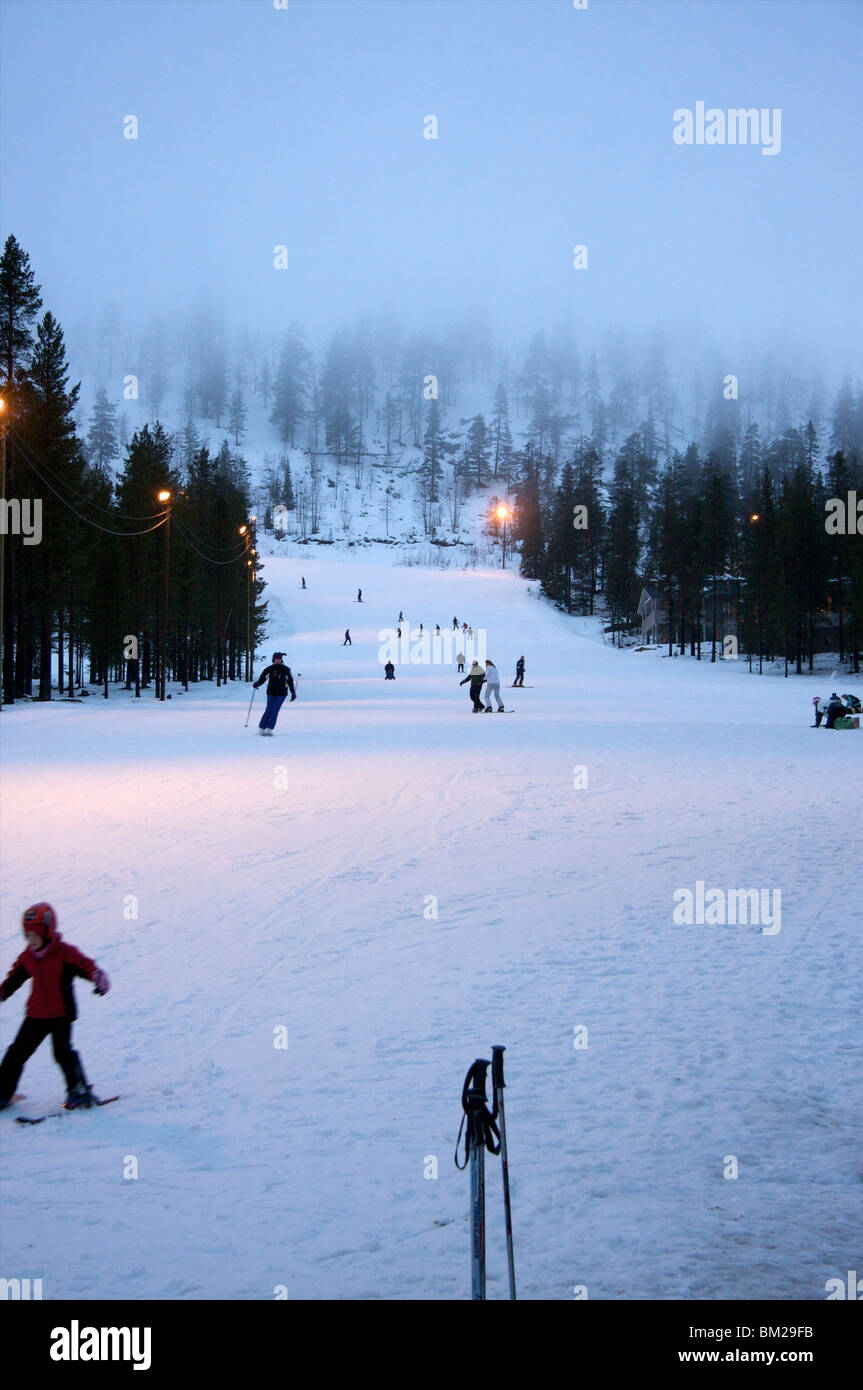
(503, 514)
(2, 543)
(165, 497)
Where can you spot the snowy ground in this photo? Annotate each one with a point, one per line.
(287, 882)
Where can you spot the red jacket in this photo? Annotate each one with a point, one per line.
(52, 974)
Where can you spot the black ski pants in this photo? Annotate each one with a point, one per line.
(32, 1032)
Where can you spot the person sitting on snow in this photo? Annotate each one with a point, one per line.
(835, 710)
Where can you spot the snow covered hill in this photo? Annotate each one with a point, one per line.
(401, 884)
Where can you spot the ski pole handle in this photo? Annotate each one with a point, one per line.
(497, 1081)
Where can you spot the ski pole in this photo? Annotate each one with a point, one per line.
(478, 1137)
(498, 1084)
(254, 690)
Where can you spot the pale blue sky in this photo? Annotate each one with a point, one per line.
(260, 126)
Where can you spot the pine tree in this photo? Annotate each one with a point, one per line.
(477, 456)
(20, 301)
(501, 435)
(433, 454)
(102, 443)
(291, 385)
(237, 415)
(58, 458)
(528, 525)
(716, 531)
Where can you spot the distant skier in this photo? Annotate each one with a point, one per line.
(421, 627)
(401, 615)
(359, 595)
(492, 687)
(398, 632)
(476, 676)
(460, 660)
(389, 672)
(279, 682)
(437, 630)
(347, 642)
(519, 672)
(304, 581)
(455, 624)
(52, 964)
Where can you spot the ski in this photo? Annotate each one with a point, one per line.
(55, 1114)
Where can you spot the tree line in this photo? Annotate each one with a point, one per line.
(749, 535)
(120, 586)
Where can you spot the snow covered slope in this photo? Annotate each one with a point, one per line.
(400, 884)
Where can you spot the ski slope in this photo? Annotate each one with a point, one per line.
(400, 884)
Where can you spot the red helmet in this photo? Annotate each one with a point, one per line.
(40, 918)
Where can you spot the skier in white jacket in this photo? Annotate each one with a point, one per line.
(492, 687)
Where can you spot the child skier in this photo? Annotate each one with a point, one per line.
(52, 964)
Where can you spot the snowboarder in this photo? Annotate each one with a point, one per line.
(455, 624)
(52, 963)
(347, 642)
(304, 580)
(359, 595)
(492, 687)
(279, 682)
(389, 672)
(476, 676)
(460, 660)
(519, 672)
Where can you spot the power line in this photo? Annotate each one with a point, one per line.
(86, 519)
(108, 511)
(192, 545)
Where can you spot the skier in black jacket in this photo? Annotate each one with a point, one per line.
(476, 676)
(279, 682)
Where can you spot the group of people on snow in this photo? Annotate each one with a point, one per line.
(838, 707)
(280, 680)
(476, 678)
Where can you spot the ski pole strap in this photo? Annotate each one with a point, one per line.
(477, 1121)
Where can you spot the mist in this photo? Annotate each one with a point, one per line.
(318, 161)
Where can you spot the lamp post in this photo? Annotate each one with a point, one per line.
(165, 497)
(250, 550)
(503, 514)
(2, 545)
